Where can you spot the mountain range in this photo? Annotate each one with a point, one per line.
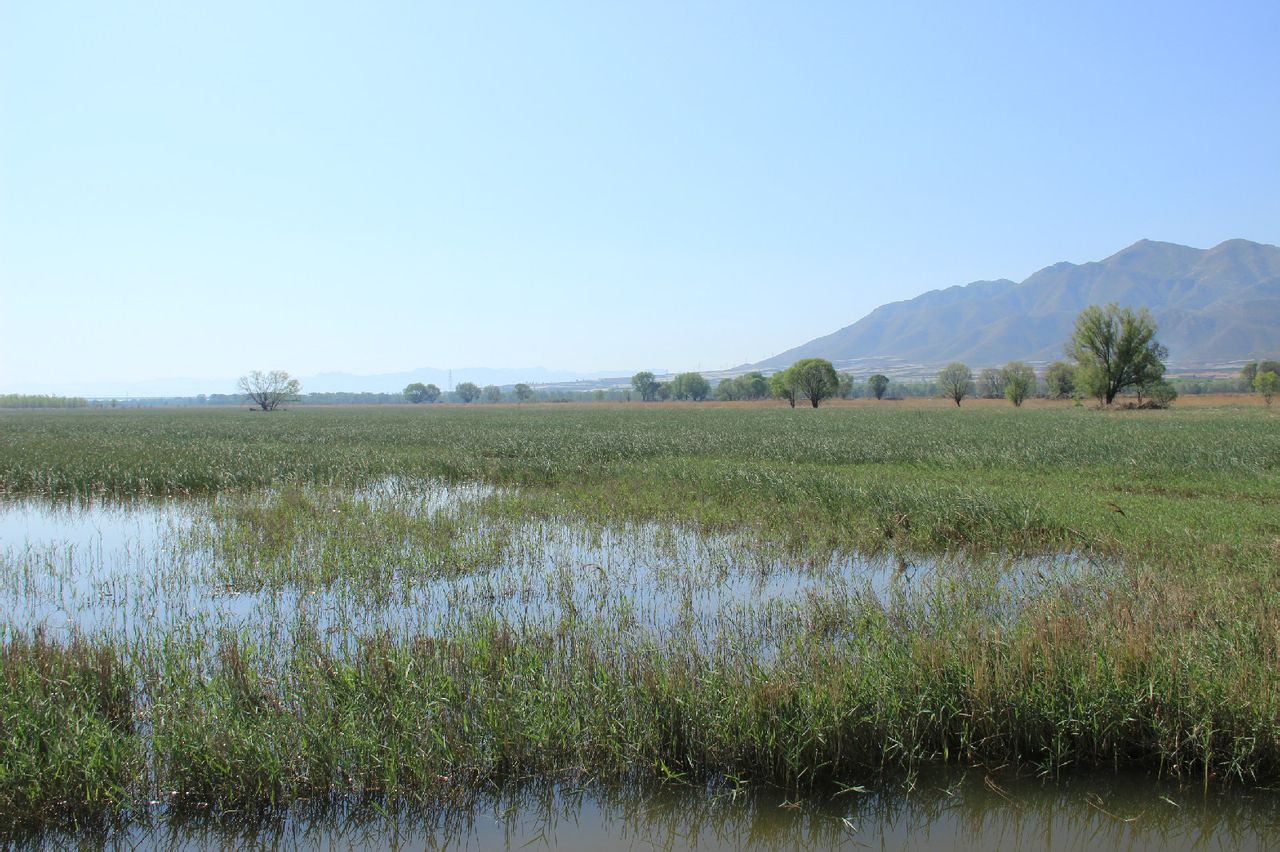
(1212, 306)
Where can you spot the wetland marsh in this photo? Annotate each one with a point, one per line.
(426, 611)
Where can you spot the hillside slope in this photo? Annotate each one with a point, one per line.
(1212, 306)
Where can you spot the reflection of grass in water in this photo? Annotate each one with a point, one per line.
(953, 808)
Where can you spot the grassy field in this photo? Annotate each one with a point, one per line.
(1164, 653)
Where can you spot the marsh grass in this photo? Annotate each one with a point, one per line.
(606, 611)
(1190, 484)
(67, 739)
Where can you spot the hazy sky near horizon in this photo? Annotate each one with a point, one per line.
(202, 189)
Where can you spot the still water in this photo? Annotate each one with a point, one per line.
(973, 810)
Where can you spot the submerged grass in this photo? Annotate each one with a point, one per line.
(1168, 658)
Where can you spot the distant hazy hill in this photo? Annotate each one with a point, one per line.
(1212, 305)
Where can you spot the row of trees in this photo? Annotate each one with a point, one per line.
(1114, 349)
(1014, 381)
(40, 400)
(692, 386)
(1263, 377)
(467, 392)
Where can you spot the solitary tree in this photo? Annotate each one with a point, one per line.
(1019, 381)
(954, 381)
(415, 392)
(1267, 384)
(878, 383)
(1060, 379)
(1116, 349)
(523, 392)
(646, 385)
(269, 390)
(782, 386)
(467, 391)
(491, 393)
(814, 379)
(992, 382)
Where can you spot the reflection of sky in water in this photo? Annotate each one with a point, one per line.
(133, 568)
(117, 529)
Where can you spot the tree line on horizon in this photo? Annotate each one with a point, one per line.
(1114, 351)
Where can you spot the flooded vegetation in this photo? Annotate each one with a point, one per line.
(573, 645)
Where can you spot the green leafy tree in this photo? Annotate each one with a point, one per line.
(1019, 381)
(269, 390)
(1162, 394)
(1116, 350)
(846, 385)
(879, 383)
(433, 392)
(814, 379)
(646, 385)
(690, 386)
(416, 392)
(1251, 370)
(663, 391)
(991, 383)
(1060, 379)
(467, 391)
(752, 385)
(523, 392)
(1266, 383)
(782, 387)
(491, 393)
(955, 381)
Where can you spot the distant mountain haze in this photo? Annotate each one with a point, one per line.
(332, 382)
(1211, 305)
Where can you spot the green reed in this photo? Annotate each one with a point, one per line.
(532, 662)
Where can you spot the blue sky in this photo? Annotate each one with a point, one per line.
(203, 189)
